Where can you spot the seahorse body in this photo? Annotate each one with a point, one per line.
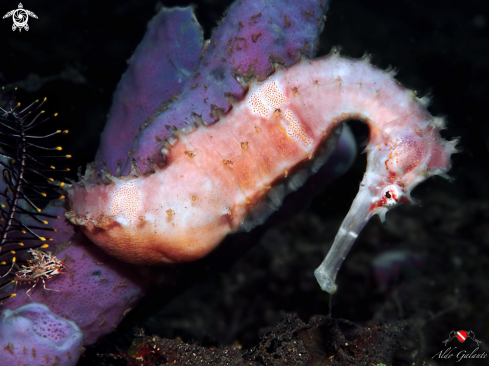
(219, 178)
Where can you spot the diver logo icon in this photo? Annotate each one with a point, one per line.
(451, 352)
(20, 17)
(461, 335)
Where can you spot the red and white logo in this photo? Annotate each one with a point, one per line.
(461, 335)
(452, 352)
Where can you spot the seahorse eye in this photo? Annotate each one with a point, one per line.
(391, 195)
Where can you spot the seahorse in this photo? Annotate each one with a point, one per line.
(230, 175)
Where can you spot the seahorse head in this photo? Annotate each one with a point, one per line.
(402, 155)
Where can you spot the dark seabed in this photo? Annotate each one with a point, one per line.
(229, 302)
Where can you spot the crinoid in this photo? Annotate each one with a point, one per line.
(26, 187)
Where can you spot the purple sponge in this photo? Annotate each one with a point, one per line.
(33, 335)
(252, 34)
(161, 64)
(96, 291)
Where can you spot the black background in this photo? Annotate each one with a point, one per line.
(75, 53)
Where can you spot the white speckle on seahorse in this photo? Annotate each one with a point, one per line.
(269, 99)
(126, 203)
(266, 99)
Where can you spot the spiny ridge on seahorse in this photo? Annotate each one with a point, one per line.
(229, 175)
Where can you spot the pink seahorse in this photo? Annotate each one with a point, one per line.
(229, 176)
